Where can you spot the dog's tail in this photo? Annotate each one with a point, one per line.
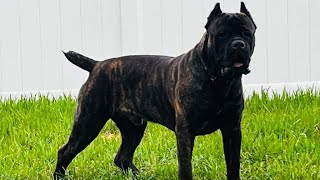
(80, 60)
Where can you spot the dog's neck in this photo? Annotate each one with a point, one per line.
(207, 59)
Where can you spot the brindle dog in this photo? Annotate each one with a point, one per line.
(193, 94)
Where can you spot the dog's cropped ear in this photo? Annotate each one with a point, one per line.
(214, 13)
(245, 11)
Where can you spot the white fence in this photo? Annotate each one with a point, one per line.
(33, 33)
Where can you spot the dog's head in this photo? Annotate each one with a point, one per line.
(229, 41)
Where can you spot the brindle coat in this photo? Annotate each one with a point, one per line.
(193, 94)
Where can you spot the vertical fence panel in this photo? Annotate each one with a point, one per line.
(314, 27)
(71, 39)
(231, 6)
(192, 24)
(91, 28)
(50, 41)
(298, 18)
(30, 45)
(130, 23)
(152, 31)
(111, 28)
(10, 46)
(171, 27)
(259, 60)
(277, 28)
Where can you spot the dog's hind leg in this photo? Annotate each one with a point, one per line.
(131, 135)
(89, 119)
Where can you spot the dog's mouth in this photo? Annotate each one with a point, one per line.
(234, 70)
(227, 69)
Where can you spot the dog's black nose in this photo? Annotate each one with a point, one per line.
(238, 44)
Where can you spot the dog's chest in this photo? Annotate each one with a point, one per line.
(207, 117)
(208, 108)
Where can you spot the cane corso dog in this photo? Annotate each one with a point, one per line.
(193, 94)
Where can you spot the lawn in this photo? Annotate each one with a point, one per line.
(281, 140)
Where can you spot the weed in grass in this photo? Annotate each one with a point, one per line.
(281, 140)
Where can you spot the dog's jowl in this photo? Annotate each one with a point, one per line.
(193, 94)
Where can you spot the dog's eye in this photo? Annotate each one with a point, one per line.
(222, 35)
(246, 34)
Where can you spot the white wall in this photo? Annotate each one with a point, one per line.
(33, 33)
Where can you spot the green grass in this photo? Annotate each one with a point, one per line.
(281, 140)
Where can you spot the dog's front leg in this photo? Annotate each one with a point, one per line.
(185, 141)
(232, 145)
